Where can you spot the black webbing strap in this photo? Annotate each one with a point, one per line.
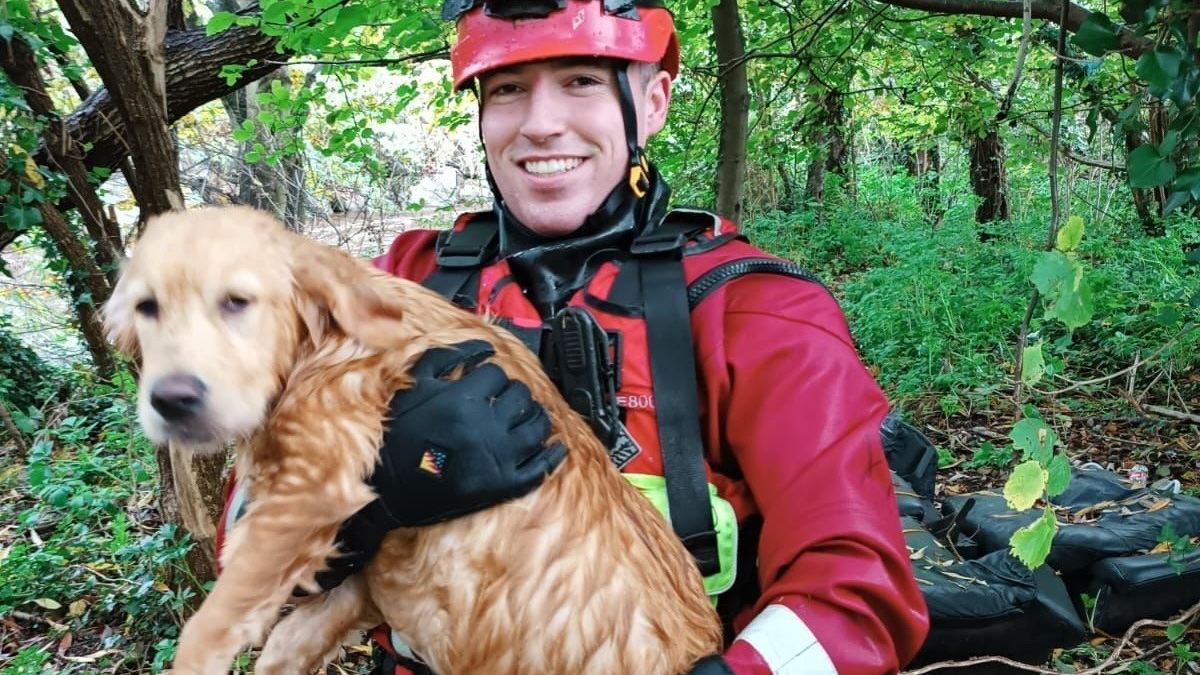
(659, 257)
(460, 256)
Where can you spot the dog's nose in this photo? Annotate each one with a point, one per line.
(178, 397)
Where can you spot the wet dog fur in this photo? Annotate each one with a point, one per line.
(245, 331)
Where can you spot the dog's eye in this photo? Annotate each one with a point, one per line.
(147, 308)
(233, 304)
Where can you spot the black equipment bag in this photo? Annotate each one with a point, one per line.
(1108, 518)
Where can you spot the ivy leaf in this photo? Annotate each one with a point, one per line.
(1070, 234)
(1058, 475)
(1148, 169)
(219, 22)
(1033, 364)
(1025, 486)
(1159, 67)
(1097, 35)
(21, 217)
(1031, 544)
(1176, 631)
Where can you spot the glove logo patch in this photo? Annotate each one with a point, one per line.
(432, 462)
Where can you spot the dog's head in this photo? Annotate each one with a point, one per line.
(216, 305)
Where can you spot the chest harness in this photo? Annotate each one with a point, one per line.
(584, 361)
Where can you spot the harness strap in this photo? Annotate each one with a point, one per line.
(659, 256)
(461, 254)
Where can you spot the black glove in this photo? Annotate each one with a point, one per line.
(451, 448)
(711, 665)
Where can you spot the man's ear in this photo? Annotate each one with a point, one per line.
(332, 286)
(656, 101)
(119, 320)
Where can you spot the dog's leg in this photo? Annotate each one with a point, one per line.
(270, 550)
(312, 634)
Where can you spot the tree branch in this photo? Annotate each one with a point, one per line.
(193, 77)
(1047, 10)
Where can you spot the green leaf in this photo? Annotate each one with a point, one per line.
(1033, 364)
(1058, 475)
(1148, 169)
(1097, 35)
(1034, 438)
(6, 31)
(276, 12)
(350, 17)
(219, 22)
(1070, 235)
(1025, 486)
(1169, 142)
(1068, 294)
(20, 217)
(1159, 67)
(1176, 631)
(1031, 544)
(1176, 200)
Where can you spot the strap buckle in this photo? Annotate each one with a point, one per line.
(470, 247)
(703, 547)
(658, 242)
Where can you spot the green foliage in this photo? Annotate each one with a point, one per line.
(88, 556)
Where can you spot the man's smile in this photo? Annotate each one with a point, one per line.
(549, 167)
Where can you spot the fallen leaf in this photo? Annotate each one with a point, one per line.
(47, 603)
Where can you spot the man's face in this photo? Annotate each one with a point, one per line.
(555, 139)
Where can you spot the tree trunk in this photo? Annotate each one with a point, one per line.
(827, 131)
(63, 153)
(134, 70)
(923, 162)
(988, 180)
(735, 109)
(127, 49)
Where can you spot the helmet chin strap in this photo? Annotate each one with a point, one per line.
(639, 171)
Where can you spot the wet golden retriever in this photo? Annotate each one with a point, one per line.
(245, 331)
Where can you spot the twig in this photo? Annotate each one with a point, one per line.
(1167, 412)
(1137, 362)
(10, 427)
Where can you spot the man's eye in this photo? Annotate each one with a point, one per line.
(502, 90)
(147, 308)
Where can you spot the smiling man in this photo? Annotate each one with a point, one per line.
(794, 523)
(723, 379)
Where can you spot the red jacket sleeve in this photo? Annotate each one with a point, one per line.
(796, 416)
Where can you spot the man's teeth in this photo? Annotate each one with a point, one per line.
(544, 167)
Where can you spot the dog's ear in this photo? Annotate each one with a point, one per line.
(118, 319)
(333, 286)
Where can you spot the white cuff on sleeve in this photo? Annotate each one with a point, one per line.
(787, 645)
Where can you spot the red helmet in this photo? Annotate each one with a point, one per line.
(497, 33)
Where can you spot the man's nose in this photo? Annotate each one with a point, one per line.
(546, 115)
(178, 397)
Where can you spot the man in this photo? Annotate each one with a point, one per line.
(801, 544)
